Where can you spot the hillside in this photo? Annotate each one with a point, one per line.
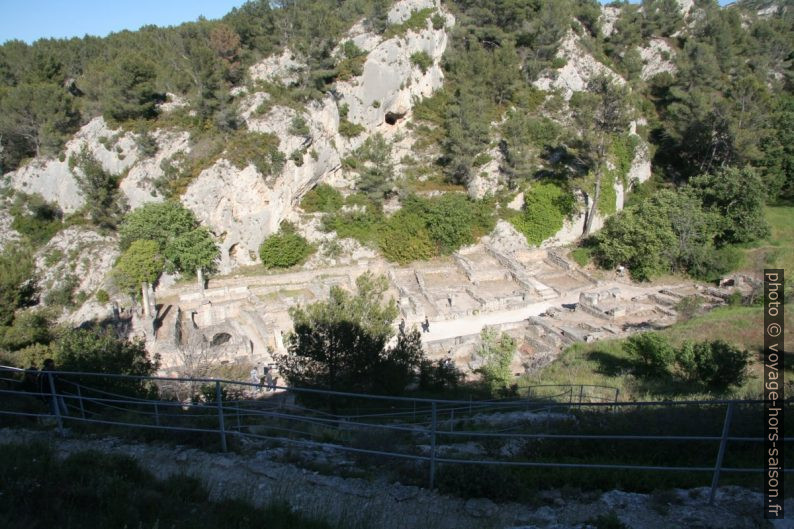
(328, 138)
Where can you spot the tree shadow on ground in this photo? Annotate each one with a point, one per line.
(610, 365)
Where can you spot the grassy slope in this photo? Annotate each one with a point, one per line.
(605, 363)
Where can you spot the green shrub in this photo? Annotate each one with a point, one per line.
(299, 127)
(35, 218)
(438, 21)
(322, 198)
(416, 22)
(558, 62)
(284, 249)
(102, 296)
(348, 129)
(404, 238)
(652, 352)
(546, 205)
(581, 256)
(257, 148)
(422, 60)
(720, 365)
(63, 294)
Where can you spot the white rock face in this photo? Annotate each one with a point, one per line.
(53, 180)
(77, 251)
(579, 69)
(640, 169)
(609, 16)
(138, 185)
(236, 206)
(653, 62)
(7, 233)
(390, 81)
(242, 207)
(402, 10)
(488, 178)
(284, 68)
(172, 102)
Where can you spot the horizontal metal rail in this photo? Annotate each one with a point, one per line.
(273, 418)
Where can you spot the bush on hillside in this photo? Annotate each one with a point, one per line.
(284, 249)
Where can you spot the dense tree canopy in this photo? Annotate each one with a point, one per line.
(341, 344)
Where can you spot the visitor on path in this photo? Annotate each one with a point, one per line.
(426, 325)
(402, 326)
(49, 383)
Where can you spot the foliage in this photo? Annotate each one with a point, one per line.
(35, 218)
(29, 328)
(340, 344)
(17, 282)
(546, 205)
(130, 93)
(142, 262)
(497, 352)
(183, 245)
(652, 352)
(257, 148)
(322, 198)
(416, 22)
(63, 294)
(717, 364)
(582, 255)
(96, 351)
(102, 296)
(156, 221)
(422, 60)
(192, 250)
(376, 170)
(737, 197)
(104, 202)
(284, 249)
(439, 376)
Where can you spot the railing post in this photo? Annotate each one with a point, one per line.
(452, 420)
(55, 405)
(726, 427)
(80, 400)
(433, 447)
(219, 400)
(156, 414)
(581, 392)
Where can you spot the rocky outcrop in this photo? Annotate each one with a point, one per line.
(579, 68)
(384, 93)
(77, 254)
(7, 233)
(657, 57)
(241, 207)
(53, 179)
(284, 68)
(608, 19)
(138, 186)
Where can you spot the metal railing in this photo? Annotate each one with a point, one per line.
(409, 428)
